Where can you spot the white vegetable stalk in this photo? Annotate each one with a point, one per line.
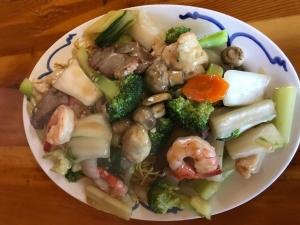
(219, 148)
(144, 30)
(91, 138)
(75, 83)
(244, 87)
(241, 119)
(264, 138)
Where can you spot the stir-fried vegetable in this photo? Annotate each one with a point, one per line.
(106, 203)
(108, 87)
(162, 196)
(244, 87)
(26, 87)
(285, 99)
(160, 134)
(61, 163)
(131, 90)
(74, 82)
(214, 40)
(242, 118)
(264, 137)
(173, 33)
(190, 115)
(211, 88)
(145, 30)
(202, 207)
(91, 138)
(72, 176)
(215, 69)
(115, 30)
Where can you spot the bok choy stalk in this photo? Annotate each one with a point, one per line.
(264, 137)
(228, 123)
(91, 138)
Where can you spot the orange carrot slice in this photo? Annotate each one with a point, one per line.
(210, 88)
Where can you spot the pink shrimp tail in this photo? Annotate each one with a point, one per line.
(116, 186)
(186, 171)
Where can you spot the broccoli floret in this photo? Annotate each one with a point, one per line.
(131, 91)
(162, 196)
(160, 134)
(61, 162)
(73, 176)
(173, 33)
(190, 115)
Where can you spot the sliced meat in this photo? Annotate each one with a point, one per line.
(79, 108)
(135, 49)
(128, 66)
(46, 106)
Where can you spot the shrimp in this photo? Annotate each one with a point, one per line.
(116, 187)
(60, 126)
(204, 160)
(103, 179)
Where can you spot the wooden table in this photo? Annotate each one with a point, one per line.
(29, 27)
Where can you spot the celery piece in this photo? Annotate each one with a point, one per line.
(106, 203)
(214, 40)
(215, 69)
(285, 99)
(206, 188)
(108, 87)
(26, 87)
(124, 39)
(201, 206)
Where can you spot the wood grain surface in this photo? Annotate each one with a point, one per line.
(29, 27)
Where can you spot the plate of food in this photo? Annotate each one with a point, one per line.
(163, 112)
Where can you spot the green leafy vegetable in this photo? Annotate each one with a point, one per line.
(160, 134)
(190, 115)
(73, 176)
(173, 33)
(131, 91)
(214, 40)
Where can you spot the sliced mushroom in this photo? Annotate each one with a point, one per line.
(158, 110)
(233, 56)
(175, 77)
(157, 77)
(145, 117)
(157, 98)
(136, 143)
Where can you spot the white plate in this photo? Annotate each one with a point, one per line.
(260, 52)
